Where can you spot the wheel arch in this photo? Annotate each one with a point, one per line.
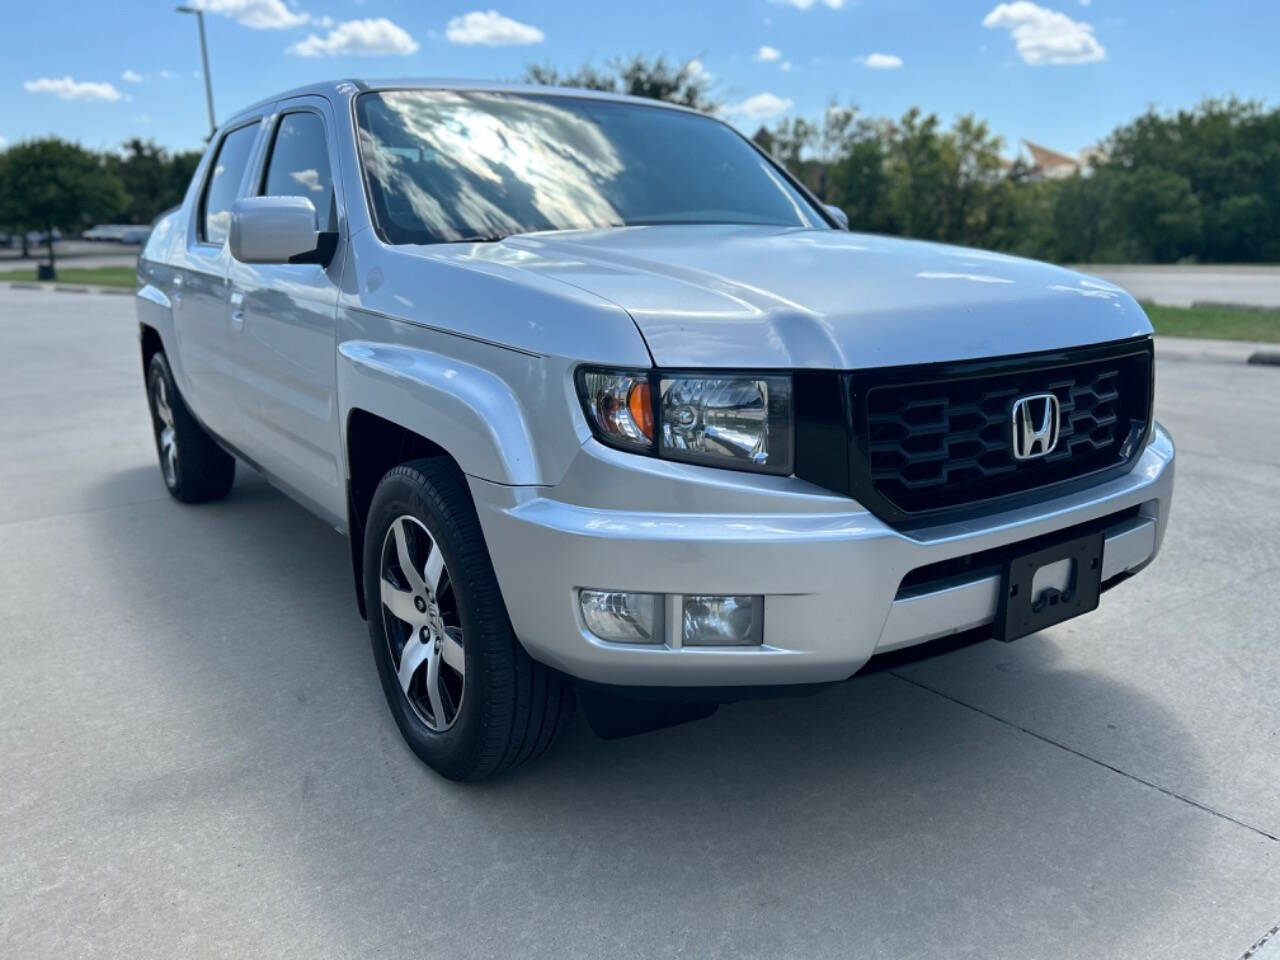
(402, 402)
(150, 343)
(373, 446)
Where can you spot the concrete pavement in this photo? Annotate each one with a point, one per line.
(196, 758)
(1182, 285)
(79, 254)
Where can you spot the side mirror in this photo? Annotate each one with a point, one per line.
(839, 215)
(278, 230)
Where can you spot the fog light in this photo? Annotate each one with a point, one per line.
(622, 617)
(722, 621)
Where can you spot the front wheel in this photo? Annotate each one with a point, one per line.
(467, 698)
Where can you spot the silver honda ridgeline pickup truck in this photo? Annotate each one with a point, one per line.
(612, 409)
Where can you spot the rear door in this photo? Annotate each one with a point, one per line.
(199, 292)
(282, 319)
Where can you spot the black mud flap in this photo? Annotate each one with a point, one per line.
(613, 717)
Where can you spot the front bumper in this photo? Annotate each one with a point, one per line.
(831, 572)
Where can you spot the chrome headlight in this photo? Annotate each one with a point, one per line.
(745, 422)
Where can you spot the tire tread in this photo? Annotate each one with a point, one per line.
(527, 704)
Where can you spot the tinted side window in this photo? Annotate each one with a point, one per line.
(299, 165)
(224, 183)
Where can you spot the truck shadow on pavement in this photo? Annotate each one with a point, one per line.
(874, 809)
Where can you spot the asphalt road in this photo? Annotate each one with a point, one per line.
(79, 254)
(195, 758)
(1181, 286)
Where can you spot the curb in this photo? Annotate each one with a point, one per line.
(67, 288)
(1227, 305)
(1228, 352)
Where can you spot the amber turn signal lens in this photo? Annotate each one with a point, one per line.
(640, 404)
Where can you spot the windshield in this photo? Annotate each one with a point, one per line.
(450, 166)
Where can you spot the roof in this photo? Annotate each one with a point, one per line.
(337, 89)
(1045, 158)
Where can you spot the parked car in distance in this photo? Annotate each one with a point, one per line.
(130, 233)
(605, 402)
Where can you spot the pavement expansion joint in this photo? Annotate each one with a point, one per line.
(1094, 760)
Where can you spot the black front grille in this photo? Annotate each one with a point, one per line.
(937, 439)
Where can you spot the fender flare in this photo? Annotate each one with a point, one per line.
(467, 410)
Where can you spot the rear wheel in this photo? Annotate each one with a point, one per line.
(467, 698)
(194, 467)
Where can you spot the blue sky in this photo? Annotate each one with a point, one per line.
(1060, 72)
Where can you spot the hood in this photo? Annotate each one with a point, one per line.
(745, 296)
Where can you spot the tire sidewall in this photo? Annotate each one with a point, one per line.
(452, 749)
(158, 369)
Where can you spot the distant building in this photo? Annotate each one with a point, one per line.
(1049, 164)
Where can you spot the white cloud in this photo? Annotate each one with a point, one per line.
(491, 29)
(698, 71)
(64, 88)
(374, 37)
(131, 76)
(785, 66)
(259, 14)
(806, 4)
(167, 75)
(308, 179)
(882, 61)
(3, 143)
(761, 106)
(1045, 36)
(767, 54)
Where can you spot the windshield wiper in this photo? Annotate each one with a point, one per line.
(480, 238)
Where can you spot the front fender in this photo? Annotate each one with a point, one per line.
(467, 410)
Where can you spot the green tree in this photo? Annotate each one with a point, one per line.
(1223, 153)
(153, 178)
(1161, 214)
(49, 183)
(657, 78)
(1078, 210)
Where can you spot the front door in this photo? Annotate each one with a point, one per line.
(199, 292)
(282, 323)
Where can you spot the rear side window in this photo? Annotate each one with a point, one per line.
(224, 183)
(299, 165)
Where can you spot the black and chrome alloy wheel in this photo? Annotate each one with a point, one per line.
(165, 429)
(421, 623)
(467, 698)
(194, 467)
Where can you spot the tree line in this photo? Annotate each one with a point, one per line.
(1196, 185)
(49, 184)
(1200, 184)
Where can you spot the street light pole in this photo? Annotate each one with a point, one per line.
(204, 60)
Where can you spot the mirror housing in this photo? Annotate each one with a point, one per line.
(837, 214)
(278, 230)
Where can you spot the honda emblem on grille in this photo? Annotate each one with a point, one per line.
(1035, 426)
